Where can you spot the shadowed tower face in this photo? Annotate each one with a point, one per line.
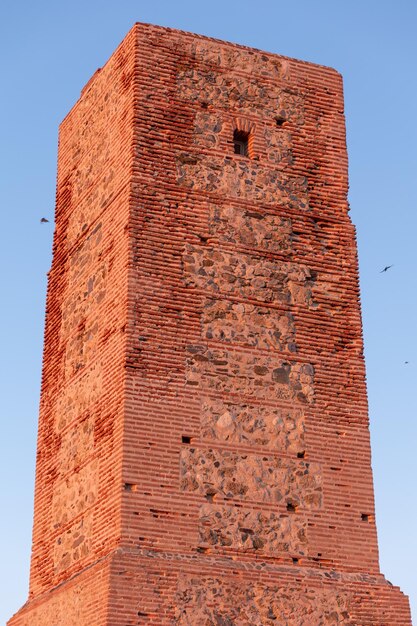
(203, 453)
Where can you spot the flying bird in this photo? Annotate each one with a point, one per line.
(386, 268)
(44, 220)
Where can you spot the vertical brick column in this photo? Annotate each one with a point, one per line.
(206, 457)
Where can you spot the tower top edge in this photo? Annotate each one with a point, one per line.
(145, 26)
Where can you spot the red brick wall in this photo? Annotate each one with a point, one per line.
(198, 593)
(78, 485)
(83, 600)
(227, 248)
(204, 417)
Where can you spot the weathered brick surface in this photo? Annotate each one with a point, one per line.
(203, 453)
(240, 180)
(248, 530)
(229, 92)
(248, 324)
(254, 229)
(258, 605)
(79, 466)
(279, 429)
(74, 494)
(261, 376)
(251, 477)
(83, 600)
(241, 275)
(74, 544)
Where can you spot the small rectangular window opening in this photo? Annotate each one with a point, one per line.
(241, 142)
(186, 439)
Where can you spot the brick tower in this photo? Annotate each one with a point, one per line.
(203, 453)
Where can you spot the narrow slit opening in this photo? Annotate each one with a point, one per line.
(241, 143)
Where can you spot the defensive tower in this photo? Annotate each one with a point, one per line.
(203, 452)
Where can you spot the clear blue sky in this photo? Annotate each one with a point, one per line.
(49, 49)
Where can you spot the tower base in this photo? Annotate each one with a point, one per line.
(135, 588)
